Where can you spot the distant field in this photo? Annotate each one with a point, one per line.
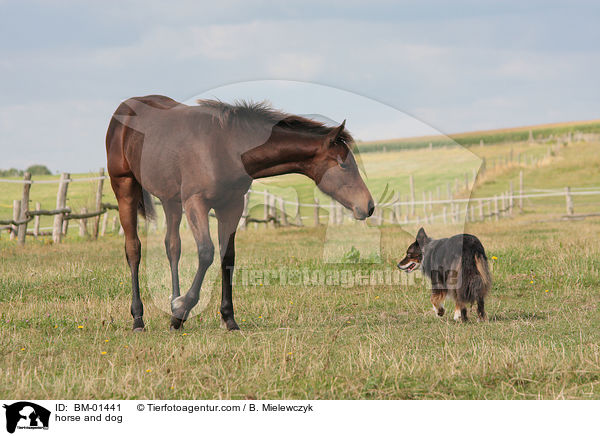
(431, 170)
(515, 134)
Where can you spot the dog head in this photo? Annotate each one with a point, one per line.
(414, 253)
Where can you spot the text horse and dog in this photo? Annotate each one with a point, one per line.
(205, 157)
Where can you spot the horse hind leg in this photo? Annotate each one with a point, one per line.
(129, 194)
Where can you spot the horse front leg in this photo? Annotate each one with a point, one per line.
(229, 218)
(197, 215)
(173, 214)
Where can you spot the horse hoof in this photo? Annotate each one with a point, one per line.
(230, 325)
(138, 325)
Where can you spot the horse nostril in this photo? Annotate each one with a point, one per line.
(371, 208)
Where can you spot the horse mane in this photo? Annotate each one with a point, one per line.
(251, 112)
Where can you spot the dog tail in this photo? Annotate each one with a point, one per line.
(475, 278)
(484, 272)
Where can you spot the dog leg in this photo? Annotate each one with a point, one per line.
(481, 315)
(437, 299)
(460, 312)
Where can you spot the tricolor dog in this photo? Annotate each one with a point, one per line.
(457, 267)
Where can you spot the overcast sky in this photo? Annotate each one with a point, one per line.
(451, 66)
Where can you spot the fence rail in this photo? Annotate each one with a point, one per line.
(275, 209)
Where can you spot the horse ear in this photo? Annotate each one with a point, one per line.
(422, 237)
(335, 134)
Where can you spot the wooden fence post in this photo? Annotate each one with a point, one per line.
(83, 223)
(284, 220)
(36, 221)
(511, 198)
(61, 200)
(445, 218)
(521, 188)
(104, 223)
(316, 212)
(496, 211)
(430, 204)
(22, 232)
(266, 208)
(411, 183)
(569, 201)
(16, 216)
(480, 203)
(96, 225)
(398, 209)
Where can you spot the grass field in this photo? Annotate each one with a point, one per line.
(64, 306)
(65, 323)
(504, 136)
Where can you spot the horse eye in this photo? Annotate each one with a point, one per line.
(341, 162)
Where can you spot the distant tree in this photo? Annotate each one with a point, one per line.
(39, 170)
(13, 172)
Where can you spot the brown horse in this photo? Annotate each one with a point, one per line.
(205, 157)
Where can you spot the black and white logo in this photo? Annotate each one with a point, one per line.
(26, 415)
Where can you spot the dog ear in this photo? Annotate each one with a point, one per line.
(422, 237)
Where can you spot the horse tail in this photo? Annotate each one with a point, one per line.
(146, 206)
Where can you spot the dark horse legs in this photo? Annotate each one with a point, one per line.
(197, 215)
(129, 193)
(228, 220)
(173, 241)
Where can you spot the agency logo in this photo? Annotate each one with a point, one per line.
(26, 415)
